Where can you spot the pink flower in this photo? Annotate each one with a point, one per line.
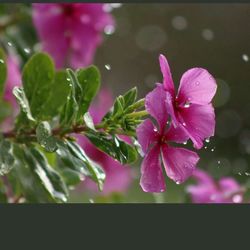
(191, 107)
(13, 79)
(179, 163)
(226, 190)
(71, 32)
(118, 177)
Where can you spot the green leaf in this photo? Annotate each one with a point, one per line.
(6, 157)
(57, 96)
(130, 97)
(113, 146)
(3, 71)
(91, 168)
(37, 180)
(71, 108)
(90, 80)
(51, 180)
(18, 92)
(89, 121)
(45, 138)
(38, 76)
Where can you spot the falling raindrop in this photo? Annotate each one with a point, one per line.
(212, 150)
(27, 50)
(239, 173)
(9, 44)
(107, 67)
(245, 57)
(205, 147)
(247, 173)
(1, 61)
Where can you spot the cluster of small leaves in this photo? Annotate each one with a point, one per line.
(40, 156)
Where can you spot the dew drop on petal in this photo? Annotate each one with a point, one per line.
(187, 105)
(185, 143)
(184, 124)
(197, 83)
(245, 57)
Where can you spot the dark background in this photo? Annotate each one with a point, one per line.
(213, 36)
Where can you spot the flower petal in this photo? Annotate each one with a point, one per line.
(167, 77)
(147, 134)
(176, 134)
(197, 86)
(152, 179)
(179, 163)
(198, 122)
(155, 103)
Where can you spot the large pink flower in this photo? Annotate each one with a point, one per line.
(156, 142)
(191, 107)
(71, 32)
(207, 190)
(118, 177)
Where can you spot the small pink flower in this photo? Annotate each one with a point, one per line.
(13, 79)
(226, 190)
(71, 32)
(155, 141)
(118, 177)
(191, 107)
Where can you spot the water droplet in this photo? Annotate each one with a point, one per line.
(237, 198)
(107, 67)
(185, 143)
(207, 140)
(155, 129)
(197, 83)
(212, 150)
(184, 124)
(218, 162)
(68, 97)
(27, 50)
(187, 105)
(240, 173)
(109, 29)
(247, 173)
(68, 79)
(91, 201)
(245, 57)
(9, 44)
(178, 182)
(1, 61)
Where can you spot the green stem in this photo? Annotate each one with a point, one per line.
(138, 114)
